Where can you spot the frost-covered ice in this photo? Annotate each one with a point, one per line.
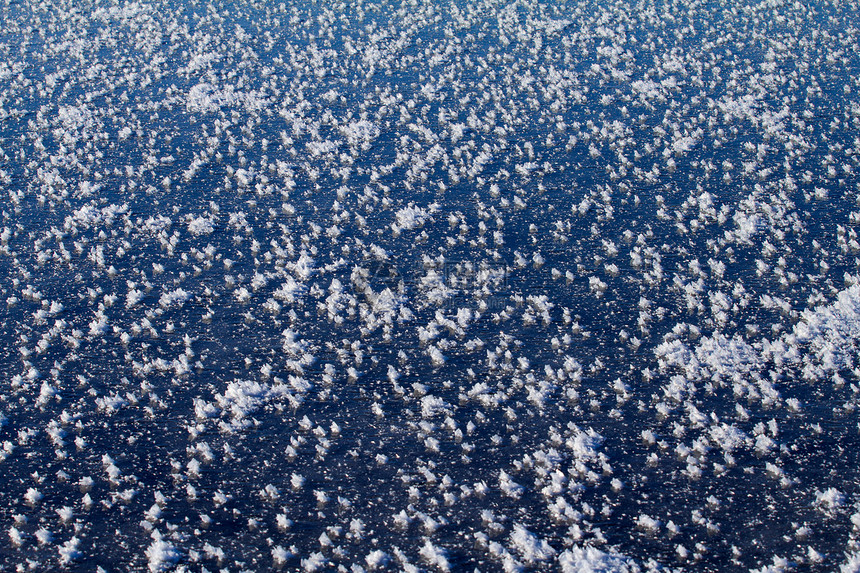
(422, 286)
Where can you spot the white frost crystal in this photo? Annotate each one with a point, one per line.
(161, 554)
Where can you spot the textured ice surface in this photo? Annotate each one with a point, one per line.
(421, 286)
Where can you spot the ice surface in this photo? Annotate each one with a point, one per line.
(383, 286)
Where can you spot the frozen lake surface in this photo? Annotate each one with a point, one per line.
(419, 286)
